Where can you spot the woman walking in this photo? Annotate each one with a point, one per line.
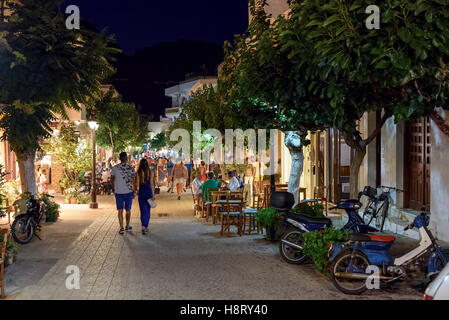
(146, 186)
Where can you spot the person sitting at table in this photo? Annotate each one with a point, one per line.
(234, 183)
(208, 184)
(196, 186)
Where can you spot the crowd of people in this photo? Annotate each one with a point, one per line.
(145, 177)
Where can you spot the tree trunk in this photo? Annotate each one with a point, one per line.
(112, 145)
(358, 146)
(294, 144)
(356, 162)
(27, 172)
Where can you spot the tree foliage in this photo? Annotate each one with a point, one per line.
(399, 69)
(158, 142)
(121, 126)
(23, 125)
(45, 68)
(74, 154)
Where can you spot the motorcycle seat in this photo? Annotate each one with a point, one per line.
(365, 237)
(359, 237)
(380, 238)
(307, 219)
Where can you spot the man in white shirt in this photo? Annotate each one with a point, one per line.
(123, 180)
(234, 183)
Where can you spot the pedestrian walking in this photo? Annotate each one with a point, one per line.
(189, 166)
(146, 187)
(170, 165)
(179, 176)
(124, 181)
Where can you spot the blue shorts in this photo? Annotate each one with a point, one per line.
(124, 201)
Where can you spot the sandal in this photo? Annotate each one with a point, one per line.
(122, 231)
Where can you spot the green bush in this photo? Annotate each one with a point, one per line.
(317, 243)
(269, 217)
(312, 210)
(52, 209)
(10, 191)
(12, 247)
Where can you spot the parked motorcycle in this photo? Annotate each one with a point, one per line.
(26, 225)
(294, 225)
(353, 262)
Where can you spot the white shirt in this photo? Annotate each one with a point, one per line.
(123, 174)
(105, 176)
(196, 186)
(234, 184)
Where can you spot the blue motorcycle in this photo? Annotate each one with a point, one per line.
(294, 225)
(364, 259)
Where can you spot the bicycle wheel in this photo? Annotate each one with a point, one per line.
(368, 217)
(380, 218)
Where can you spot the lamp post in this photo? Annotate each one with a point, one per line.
(93, 192)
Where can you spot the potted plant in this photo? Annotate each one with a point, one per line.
(72, 194)
(317, 243)
(270, 219)
(52, 210)
(10, 192)
(12, 250)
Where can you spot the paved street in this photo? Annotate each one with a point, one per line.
(181, 258)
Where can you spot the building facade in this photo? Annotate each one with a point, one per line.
(412, 156)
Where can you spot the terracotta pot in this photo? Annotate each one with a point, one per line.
(73, 201)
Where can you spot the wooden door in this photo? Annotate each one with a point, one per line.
(417, 166)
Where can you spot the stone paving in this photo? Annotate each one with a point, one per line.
(181, 258)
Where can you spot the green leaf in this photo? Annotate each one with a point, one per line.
(331, 19)
(382, 64)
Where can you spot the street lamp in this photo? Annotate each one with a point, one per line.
(93, 193)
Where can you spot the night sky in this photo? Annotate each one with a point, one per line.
(144, 23)
(162, 41)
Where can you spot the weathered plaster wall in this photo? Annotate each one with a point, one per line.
(439, 181)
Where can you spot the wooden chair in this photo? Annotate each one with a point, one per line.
(205, 205)
(196, 203)
(302, 191)
(257, 201)
(232, 215)
(216, 196)
(281, 187)
(5, 233)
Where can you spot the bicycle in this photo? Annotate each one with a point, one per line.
(378, 205)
